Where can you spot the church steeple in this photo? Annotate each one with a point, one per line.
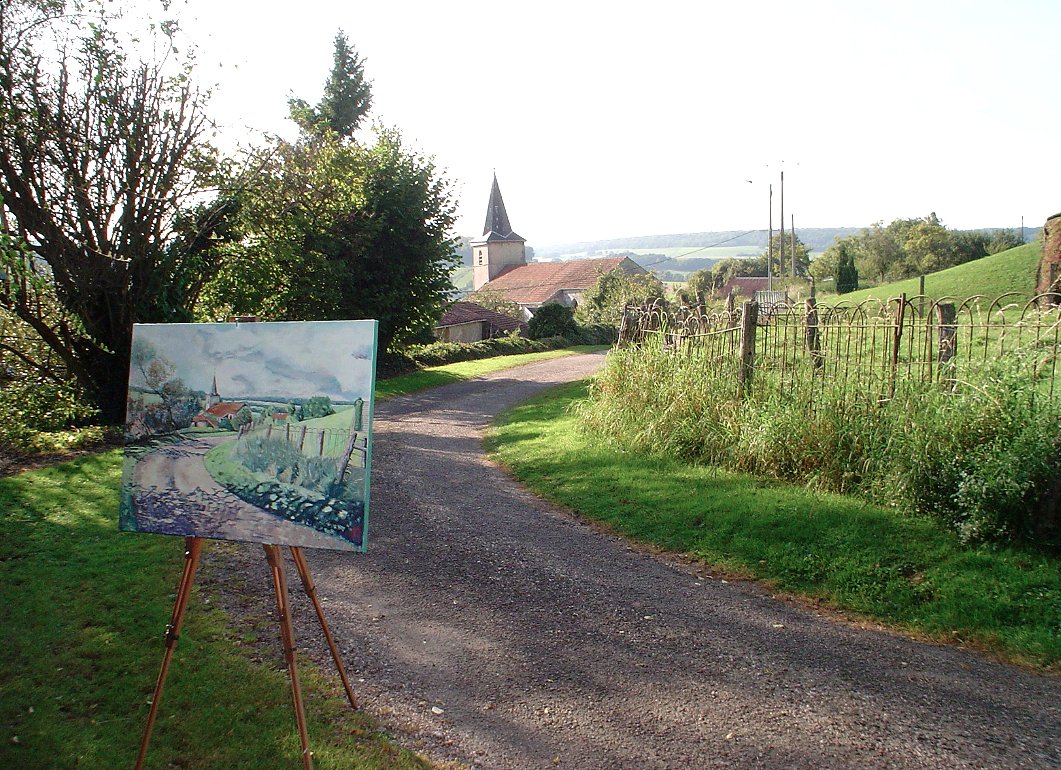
(497, 218)
(499, 247)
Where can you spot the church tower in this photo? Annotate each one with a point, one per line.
(214, 398)
(499, 247)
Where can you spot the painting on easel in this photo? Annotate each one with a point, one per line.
(251, 431)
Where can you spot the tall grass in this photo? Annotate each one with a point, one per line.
(982, 456)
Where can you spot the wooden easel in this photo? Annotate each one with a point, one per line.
(192, 548)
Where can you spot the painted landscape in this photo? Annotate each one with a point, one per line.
(255, 431)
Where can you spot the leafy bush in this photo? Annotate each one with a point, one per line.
(29, 410)
(552, 320)
(982, 459)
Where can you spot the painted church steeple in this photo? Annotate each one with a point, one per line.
(499, 247)
(214, 398)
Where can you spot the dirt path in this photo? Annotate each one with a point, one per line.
(488, 628)
(177, 495)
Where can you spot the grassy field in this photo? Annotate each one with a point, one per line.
(904, 571)
(991, 276)
(84, 608)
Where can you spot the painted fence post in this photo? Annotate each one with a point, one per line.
(301, 438)
(749, 321)
(351, 444)
(359, 414)
(320, 450)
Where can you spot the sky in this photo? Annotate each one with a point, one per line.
(289, 360)
(612, 119)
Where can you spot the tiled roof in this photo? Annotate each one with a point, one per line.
(470, 312)
(224, 409)
(538, 282)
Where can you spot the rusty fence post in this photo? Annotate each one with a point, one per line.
(748, 328)
(814, 344)
(947, 334)
(897, 339)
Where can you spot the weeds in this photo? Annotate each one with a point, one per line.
(980, 456)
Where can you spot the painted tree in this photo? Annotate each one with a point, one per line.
(100, 155)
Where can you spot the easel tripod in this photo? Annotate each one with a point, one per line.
(192, 549)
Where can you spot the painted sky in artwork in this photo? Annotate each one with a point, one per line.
(259, 360)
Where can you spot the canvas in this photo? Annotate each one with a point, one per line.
(251, 431)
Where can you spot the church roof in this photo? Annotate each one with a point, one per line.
(538, 282)
(497, 227)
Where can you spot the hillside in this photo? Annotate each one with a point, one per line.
(991, 276)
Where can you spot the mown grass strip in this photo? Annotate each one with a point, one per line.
(904, 571)
(434, 376)
(84, 607)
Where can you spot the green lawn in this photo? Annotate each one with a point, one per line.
(904, 571)
(991, 276)
(84, 608)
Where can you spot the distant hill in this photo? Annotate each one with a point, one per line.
(990, 276)
(816, 239)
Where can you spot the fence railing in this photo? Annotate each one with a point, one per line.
(881, 346)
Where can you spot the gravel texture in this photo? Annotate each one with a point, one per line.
(492, 630)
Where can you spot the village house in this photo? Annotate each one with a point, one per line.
(469, 322)
(216, 410)
(499, 264)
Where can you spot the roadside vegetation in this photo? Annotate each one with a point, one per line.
(903, 569)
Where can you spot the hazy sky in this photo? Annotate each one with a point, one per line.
(607, 119)
(291, 360)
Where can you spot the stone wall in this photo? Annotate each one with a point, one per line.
(1049, 278)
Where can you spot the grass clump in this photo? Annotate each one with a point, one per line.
(873, 560)
(982, 457)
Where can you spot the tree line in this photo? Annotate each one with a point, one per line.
(116, 207)
(905, 248)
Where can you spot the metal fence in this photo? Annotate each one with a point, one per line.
(877, 346)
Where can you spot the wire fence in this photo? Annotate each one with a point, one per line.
(876, 346)
(342, 444)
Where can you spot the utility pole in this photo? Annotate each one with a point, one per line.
(1022, 229)
(781, 259)
(770, 242)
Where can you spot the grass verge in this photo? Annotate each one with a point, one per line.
(83, 608)
(465, 370)
(904, 571)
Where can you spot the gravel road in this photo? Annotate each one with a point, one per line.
(488, 628)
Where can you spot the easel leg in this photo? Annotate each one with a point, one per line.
(287, 635)
(192, 548)
(311, 592)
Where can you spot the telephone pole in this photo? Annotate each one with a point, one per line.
(781, 258)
